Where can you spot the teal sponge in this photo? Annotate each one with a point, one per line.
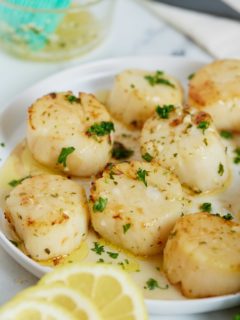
(31, 21)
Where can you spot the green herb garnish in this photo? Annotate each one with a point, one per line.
(191, 76)
(206, 207)
(203, 125)
(152, 284)
(141, 175)
(113, 255)
(98, 249)
(220, 169)
(100, 204)
(164, 111)
(72, 99)
(227, 216)
(226, 134)
(237, 157)
(101, 129)
(2, 144)
(65, 152)
(15, 243)
(120, 151)
(14, 183)
(126, 227)
(147, 157)
(158, 78)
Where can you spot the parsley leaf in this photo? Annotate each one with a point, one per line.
(98, 249)
(206, 207)
(164, 111)
(113, 255)
(152, 284)
(220, 169)
(65, 152)
(203, 125)
(141, 175)
(120, 151)
(15, 243)
(2, 144)
(226, 134)
(191, 76)
(237, 157)
(14, 183)
(158, 78)
(147, 157)
(72, 99)
(227, 216)
(126, 227)
(100, 204)
(101, 129)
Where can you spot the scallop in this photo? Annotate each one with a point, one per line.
(69, 133)
(186, 142)
(136, 93)
(49, 214)
(134, 205)
(202, 256)
(215, 88)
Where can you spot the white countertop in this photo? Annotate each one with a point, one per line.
(135, 33)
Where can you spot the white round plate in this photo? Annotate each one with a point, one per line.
(93, 77)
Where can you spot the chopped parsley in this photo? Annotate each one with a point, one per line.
(100, 204)
(2, 144)
(113, 255)
(126, 227)
(237, 317)
(147, 157)
(101, 129)
(203, 125)
(141, 175)
(206, 207)
(120, 151)
(100, 260)
(237, 157)
(220, 169)
(98, 249)
(65, 152)
(227, 216)
(15, 243)
(226, 134)
(152, 284)
(14, 183)
(158, 78)
(72, 99)
(164, 111)
(191, 76)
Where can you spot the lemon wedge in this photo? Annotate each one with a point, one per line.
(19, 309)
(110, 289)
(70, 299)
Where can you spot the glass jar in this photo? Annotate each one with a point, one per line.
(53, 31)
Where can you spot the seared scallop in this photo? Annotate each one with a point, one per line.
(49, 214)
(215, 88)
(69, 133)
(202, 256)
(185, 141)
(135, 204)
(136, 93)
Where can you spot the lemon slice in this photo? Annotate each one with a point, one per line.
(72, 300)
(19, 309)
(111, 289)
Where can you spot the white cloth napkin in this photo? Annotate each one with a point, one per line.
(218, 36)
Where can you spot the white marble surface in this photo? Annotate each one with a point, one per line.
(134, 32)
